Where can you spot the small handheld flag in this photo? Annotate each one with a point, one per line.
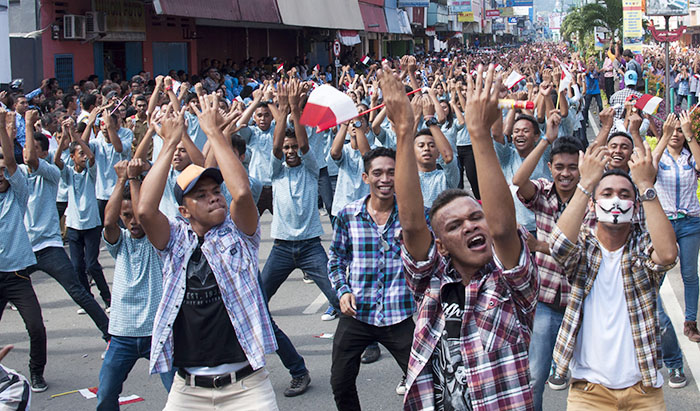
(366, 60)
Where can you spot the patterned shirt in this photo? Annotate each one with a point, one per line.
(677, 183)
(641, 276)
(618, 99)
(372, 259)
(547, 207)
(496, 329)
(233, 257)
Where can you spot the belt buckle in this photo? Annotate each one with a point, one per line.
(217, 380)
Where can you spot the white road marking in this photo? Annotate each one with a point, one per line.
(318, 303)
(691, 353)
(593, 122)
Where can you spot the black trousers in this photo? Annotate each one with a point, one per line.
(265, 200)
(609, 87)
(465, 154)
(350, 340)
(16, 287)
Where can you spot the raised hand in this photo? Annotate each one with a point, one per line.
(607, 117)
(642, 168)
(592, 165)
(398, 108)
(427, 106)
(670, 125)
(482, 102)
(684, 119)
(553, 121)
(120, 169)
(31, 117)
(283, 97)
(209, 117)
(136, 167)
(172, 124)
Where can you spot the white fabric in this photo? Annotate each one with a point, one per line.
(604, 353)
(218, 370)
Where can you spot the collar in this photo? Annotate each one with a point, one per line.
(362, 210)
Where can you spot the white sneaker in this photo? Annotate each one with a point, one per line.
(401, 388)
(330, 314)
(108, 309)
(307, 280)
(81, 311)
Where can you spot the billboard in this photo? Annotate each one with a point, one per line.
(633, 36)
(518, 3)
(666, 7)
(459, 6)
(414, 3)
(466, 17)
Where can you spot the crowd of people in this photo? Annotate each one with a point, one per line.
(491, 250)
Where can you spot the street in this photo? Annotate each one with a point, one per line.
(74, 349)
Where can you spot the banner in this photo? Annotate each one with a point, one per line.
(666, 7)
(466, 17)
(633, 36)
(519, 3)
(492, 13)
(414, 3)
(459, 6)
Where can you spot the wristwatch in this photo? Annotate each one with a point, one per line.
(649, 194)
(357, 123)
(431, 122)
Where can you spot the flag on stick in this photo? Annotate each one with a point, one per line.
(327, 107)
(648, 104)
(513, 78)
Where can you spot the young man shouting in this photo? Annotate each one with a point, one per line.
(474, 272)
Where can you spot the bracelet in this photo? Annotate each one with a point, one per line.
(168, 88)
(584, 191)
(544, 138)
(133, 178)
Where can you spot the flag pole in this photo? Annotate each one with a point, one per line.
(382, 105)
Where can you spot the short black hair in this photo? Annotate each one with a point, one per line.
(424, 132)
(628, 53)
(369, 156)
(88, 101)
(531, 119)
(73, 146)
(620, 134)
(68, 98)
(617, 172)
(191, 96)
(446, 197)
(565, 145)
(238, 144)
(42, 140)
(141, 97)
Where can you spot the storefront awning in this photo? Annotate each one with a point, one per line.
(258, 11)
(348, 37)
(397, 21)
(373, 18)
(336, 14)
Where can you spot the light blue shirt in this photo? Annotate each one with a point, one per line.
(317, 142)
(137, 286)
(15, 248)
(386, 137)
(62, 194)
(350, 186)
(435, 182)
(168, 205)
(295, 199)
(261, 158)
(255, 190)
(106, 157)
(194, 131)
(510, 163)
(42, 225)
(463, 137)
(451, 132)
(82, 212)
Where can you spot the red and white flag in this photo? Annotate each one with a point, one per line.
(566, 77)
(499, 68)
(280, 68)
(317, 67)
(366, 60)
(327, 107)
(648, 104)
(513, 78)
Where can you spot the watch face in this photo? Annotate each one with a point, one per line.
(357, 123)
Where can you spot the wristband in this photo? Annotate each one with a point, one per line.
(168, 88)
(544, 138)
(584, 191)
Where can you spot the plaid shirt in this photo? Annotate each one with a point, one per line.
(618, 99)
(677, 183)
(641, 277)
(496, 329)
(373, 263)
(233, 257)
(545, 204)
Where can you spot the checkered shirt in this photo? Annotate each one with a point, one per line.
(368, 264)
(496, 329)
(233, 257)
(545, 205)
(641, 277)
(619, 98)
(677, 183)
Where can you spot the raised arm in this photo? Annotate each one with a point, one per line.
(521, 179)
(153, 101)
(280, 120)
(660, 229)
(497, 202)
(244, 212)
(30, 156)
(63, 143)
(145, 144)
(441, 142)
(155, 223)
(168, 83)
(686, 127)
(114, 205)
(89, 124)
(338, 142)
(112, 134)
(416, 235)
(607, 120)
(248, 113)
(8, 148)
(294, 95)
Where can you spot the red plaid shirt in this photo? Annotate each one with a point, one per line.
(546, 206)
(496, 329)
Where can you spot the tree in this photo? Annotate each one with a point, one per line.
(604, 13)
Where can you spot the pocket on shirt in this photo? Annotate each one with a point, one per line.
(495, 315)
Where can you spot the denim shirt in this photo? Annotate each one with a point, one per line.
(233, 257)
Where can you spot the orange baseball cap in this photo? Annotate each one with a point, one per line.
(189, 177)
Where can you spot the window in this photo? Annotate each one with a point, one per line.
(63, 67)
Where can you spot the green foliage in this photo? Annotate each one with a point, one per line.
(580, 21)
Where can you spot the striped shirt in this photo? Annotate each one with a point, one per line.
(233, 257)
(641, 276)
(676, 183)
(366, 261)
(496, 328)
(547, 208)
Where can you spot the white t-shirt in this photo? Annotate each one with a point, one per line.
(604, 353)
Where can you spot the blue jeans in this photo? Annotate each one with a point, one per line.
(122, 354)
(306, 255)
(544, 335)
(326, 189)
(670, 350)
(84, 246)
(687, 231)
(54, 262)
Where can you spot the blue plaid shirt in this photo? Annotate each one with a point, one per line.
(233, 257)
(367, 262)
